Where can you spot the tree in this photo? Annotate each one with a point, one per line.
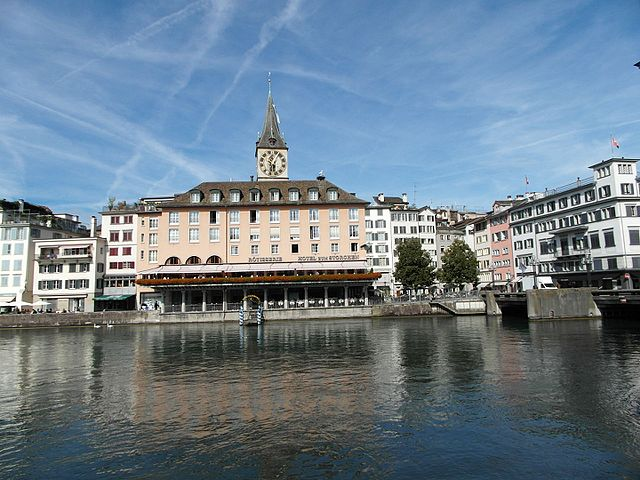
(414, 268)
(459, 265)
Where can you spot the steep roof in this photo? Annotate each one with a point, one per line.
(303, 186)
(271, 136)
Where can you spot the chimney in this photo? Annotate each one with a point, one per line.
(251, 176)
(381, 197)
(405, 199)
(20, 205)
(320, 176)
(92, 232)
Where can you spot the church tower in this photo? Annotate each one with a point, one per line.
(271, 149)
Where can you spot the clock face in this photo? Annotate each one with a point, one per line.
(273, 163)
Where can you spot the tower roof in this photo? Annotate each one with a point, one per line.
(271, 136)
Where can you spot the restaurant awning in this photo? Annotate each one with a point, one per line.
(256, 267)
(113, 297)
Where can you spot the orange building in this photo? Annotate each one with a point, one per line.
(286, 243)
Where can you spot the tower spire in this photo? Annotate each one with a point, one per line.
(271, 136)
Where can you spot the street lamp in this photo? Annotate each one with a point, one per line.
(588, 262)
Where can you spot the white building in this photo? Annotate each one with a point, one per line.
(68, 273)
(390, 221)
(584, 233)
(21, 224)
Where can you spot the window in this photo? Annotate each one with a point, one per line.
(214, 234)
(589, 196)
(194, 218)
(142, 238)
(634, 236)
(314, 232)
(235, 196)
(194, 235)
(126, 251)
(274, 195)
(153, 239)
(294, 234)
(254, 195)
(254, 216)
(625, 168)
(174, 218)
(551, 206)
(114, 236)
(153, 223)
(17, 265)
(335, 248)
(234, 233)
(274, 216)
(334, 215)
(234, 249)
(254, 235)
(353, 214)
(381, 224)
(313, 194)
(575, 199)
(314, 215)
(195, 197)
(294, 195)
(214, 217)
(255, 250)
(234, 216)
(113, 251)
(295, 248)
(174, 235)
(334, 231)
(172, 261)
(4, 281)
(354, 231)
(612, 263)
(626, 188)
(6, 249)
(332, 194)
(294, 215)
(127, 236)
(354, 247)
(274, 249)
(274, 234)
(4, 265)
(562, 203)
(153, 256)
(314, 248)
(609, 239)
(604, 191)
(215, 196)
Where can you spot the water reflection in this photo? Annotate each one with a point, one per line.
(382, 397)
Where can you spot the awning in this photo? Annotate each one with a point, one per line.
(483, 284)
(256, 267)
(113, 297)
(7, 298)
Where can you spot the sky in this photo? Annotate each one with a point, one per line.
(453, 103)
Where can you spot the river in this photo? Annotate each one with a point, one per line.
(431, 397)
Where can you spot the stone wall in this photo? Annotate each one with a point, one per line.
(401, 310)
(561, 303)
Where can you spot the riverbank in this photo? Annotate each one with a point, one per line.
(44, 320)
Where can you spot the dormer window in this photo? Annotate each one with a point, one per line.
(313, 194)
(215, 196)
(195, 197)
(254, 195)
(294, 195)
(235, 196)
(332, 194)
(274, 195)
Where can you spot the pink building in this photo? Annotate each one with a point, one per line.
(502, 265)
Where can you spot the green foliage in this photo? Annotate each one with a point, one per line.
(414, 268)
(459, 265)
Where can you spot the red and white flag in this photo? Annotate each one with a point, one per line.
(614, 142)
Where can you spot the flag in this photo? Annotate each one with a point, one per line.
(526, 180)
(614, 142)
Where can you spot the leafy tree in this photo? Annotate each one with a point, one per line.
(459, 265)
(414, 268)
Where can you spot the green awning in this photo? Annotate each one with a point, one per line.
(112, 297)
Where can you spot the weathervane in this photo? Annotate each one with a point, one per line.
(269, 82)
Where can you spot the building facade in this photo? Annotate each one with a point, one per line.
(282, 243)
(21, 224)
(584, 233)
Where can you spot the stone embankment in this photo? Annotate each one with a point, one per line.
(78, 319)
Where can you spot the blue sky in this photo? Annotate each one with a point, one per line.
(451, 102)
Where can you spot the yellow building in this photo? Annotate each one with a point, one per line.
(285, 243)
